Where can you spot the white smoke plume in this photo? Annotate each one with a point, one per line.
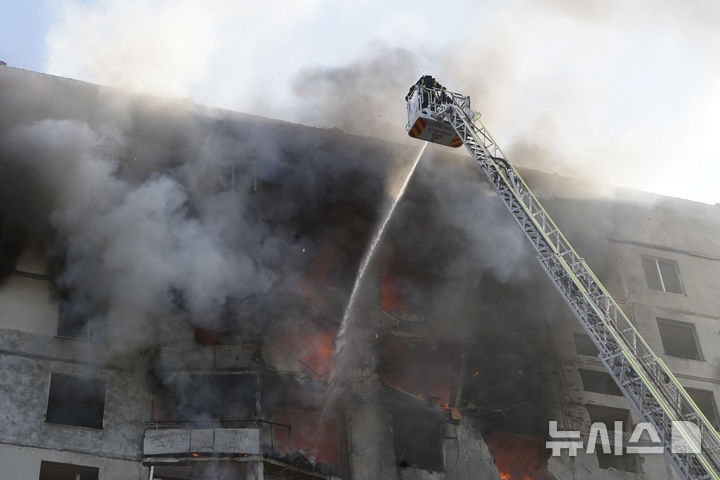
(586, 91)
(131, 197)
(617, 92)
(127, 246)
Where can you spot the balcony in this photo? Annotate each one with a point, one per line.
(193, 441)
(239, 448)
(218, 357)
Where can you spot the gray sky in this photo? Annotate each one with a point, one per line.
(626, 93)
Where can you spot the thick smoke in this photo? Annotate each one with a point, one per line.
(581, 89)
(456, 257)
(364, 97)
(468, 282)
(157, 211)
(159, 214)
(127, 247)
(174, 47)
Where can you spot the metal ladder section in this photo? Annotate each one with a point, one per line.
(645, 380)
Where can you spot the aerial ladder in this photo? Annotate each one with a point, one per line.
(440, 116)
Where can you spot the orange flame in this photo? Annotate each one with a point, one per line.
(390, 298)
(419, 370)
(518, 457)
(311, 433)
(314, 348)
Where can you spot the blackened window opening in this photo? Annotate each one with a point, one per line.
(65, 471)
(627, 462)
(679, 339)
(73, 323)
(705, 400)
(584, 346)
(75, 400)
(417, 442)
(204, 398)
(599, 382)
(608, 416)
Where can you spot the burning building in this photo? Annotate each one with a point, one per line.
(174, 280)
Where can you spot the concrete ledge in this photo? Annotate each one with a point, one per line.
(176, 441)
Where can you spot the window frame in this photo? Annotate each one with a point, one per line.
(586, 373)
(78, 470)
(594, 410)
(409, 452)
(663, 289)
(714, 419)
(608, 461)
(93, 329)
(679, 323)
(56, 402)
(582, 337)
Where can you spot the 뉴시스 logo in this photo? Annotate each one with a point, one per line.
(686, 438)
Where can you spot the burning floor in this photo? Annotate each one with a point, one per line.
(197, 266)
(259, 229)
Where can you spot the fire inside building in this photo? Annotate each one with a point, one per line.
(174, 284)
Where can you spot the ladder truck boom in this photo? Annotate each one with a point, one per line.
(440, 116)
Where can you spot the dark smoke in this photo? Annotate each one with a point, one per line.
(364, 97)
(163, 218)
(132, 200)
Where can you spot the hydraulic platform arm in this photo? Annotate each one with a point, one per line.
(440, 116)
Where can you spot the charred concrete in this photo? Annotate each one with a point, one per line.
(215, 253)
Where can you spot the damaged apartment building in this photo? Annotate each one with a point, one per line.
(174, 279)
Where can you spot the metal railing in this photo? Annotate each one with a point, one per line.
(267, 428)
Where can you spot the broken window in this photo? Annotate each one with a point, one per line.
(599, 382)
(662, 274)
(419, 370)
(518, 456)
(251, 175)
(203, 398)
(75, 324)
(679, 338)
(608, 416)
(309, 432)
(65, 471)
(627, 462)
(417, 442)
(584, 346)
(76, 401)
(239, 176)
(705, 400)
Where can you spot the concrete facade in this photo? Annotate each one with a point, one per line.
(28, 360)
(498, 367)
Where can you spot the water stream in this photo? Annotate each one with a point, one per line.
(341, 340)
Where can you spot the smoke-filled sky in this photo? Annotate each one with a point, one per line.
(626, 93)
